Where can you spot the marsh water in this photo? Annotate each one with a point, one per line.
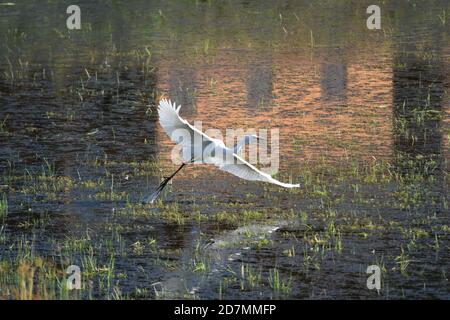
(363, 120)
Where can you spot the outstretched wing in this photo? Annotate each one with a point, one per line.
(182, 132)
(241, 168)
(170, 120)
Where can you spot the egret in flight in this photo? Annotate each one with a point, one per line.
(197, 147)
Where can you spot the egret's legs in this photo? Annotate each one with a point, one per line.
(152, 197)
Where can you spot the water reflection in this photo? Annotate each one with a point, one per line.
(333, 83)
(259, 82)
(182, 83)
(418, 92)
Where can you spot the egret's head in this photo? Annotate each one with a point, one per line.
(254, 137)
(249, 138)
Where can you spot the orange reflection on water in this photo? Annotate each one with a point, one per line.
(324, 107)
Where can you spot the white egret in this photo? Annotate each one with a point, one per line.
(197, 147)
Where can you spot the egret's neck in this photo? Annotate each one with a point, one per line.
(241, 143)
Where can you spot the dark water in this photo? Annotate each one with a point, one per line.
(80, 144)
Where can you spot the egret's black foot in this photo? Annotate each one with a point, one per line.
(152, 198)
